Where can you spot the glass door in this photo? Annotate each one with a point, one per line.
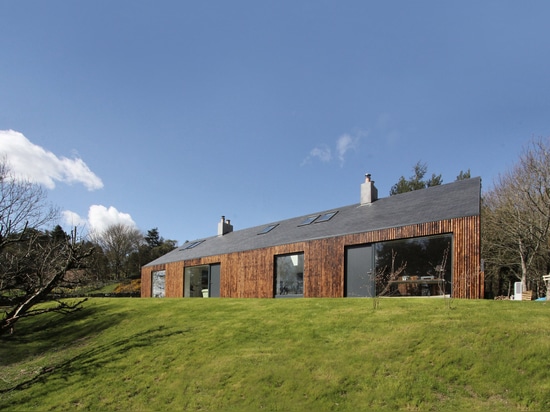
(202, 281)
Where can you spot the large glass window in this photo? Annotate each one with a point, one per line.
(196, 281)
(289, 275)
(414, 267)
(158, 281)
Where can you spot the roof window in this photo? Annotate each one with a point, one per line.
(268, 229)
(325, 217)
(191, 245)
(308, 220)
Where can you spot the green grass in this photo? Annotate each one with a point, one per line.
(107, 288)
(285, 354)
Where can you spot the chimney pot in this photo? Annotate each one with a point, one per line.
(224, 227)
(369, 193)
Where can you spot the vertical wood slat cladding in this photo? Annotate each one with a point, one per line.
(325, 269)
(251, 273)
(174, 280)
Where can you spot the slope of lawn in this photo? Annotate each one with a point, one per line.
(284, 354)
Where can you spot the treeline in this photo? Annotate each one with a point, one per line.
(515, 220)
(120, 251)
(116, 255)
(38, 264)
(516, 224)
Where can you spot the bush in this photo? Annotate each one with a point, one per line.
(134, 286)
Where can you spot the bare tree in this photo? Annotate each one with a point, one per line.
(22, 205)
(118, 241)
(32, 262)
(516, 218)
(32, 269)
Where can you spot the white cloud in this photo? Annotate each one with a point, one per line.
(32, 162)
(72, 219)
(344, 144)
(99, 218)
(323, 153)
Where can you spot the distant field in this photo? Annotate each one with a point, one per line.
(132, 354)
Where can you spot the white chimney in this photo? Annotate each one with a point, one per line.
(369, 193)
(224, 226)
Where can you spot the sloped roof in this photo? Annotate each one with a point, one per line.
(452, 200)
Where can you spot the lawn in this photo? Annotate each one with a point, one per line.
(281, 354)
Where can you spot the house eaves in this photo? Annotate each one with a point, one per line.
(458, 199)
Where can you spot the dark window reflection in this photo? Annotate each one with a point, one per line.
(414, 267)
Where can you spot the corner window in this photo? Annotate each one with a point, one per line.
(289, 275)
(158, 282)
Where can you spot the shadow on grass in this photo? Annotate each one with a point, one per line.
(90, 363)
(35, 336)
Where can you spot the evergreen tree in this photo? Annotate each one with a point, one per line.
(416, 181)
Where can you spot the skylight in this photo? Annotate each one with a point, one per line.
(326, 217)
(191, 245)
(268, 229)
(308, 220)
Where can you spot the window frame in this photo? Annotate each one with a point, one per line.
(309, 220)
(423, 275)
(268, 229)
(325, 217)
(155, 285)
(292, 281)
(191, 245)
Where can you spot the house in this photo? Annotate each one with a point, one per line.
(421, 243)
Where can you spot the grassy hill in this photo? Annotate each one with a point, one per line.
(285, 354)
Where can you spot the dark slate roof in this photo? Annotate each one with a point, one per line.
(452, 200)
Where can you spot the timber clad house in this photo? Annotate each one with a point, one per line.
(420, 243)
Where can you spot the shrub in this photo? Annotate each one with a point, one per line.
(133, 286)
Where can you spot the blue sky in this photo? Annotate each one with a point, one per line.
(170, 114)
